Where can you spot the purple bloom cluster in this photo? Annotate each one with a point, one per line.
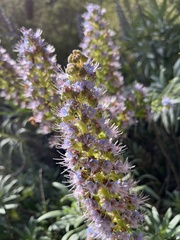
(98, 44)
(99, 176)
(11, 87)
(39, 74)
(128, 107)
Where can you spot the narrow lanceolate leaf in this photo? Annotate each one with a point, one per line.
(51, 214)
(174, 222)
(97, 171)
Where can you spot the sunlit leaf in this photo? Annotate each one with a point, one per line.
(51, 214)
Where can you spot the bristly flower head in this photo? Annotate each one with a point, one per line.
(98, 44)
(98, 174)
(39, 73)
(10, 83)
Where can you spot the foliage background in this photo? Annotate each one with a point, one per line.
(148, 35)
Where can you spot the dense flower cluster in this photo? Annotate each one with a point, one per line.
(11, 87)
(99, 45)
(39, 74)
(98, 174)
(128, 107)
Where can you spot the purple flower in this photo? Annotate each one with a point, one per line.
(98, 45)
(11, 86)
(99, 176)
(167, 101)
(38, 71)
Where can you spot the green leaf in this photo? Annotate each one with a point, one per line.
(3, 180)
(174, 222)
(176, 68)
(166, 218)
(51, 214)
(177, 233)
(148, 220)
(67, 235)
(61, 187)
(155, 215)
(2, 211)
(166, 121)
(78, 221)
(10, 185)
(74, 237)
(12, 197)
(10, 206)
(45, 238)
(156, 237)
(148, 176)
(57, 226)
(70, 219)
(148, 190)
(172, 90)
(168, 214)
(70, 233)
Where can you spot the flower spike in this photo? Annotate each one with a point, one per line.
(98, 174)
(10, 83)
(39, 72)
(98, 44)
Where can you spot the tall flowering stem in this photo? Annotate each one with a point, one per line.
(98, 44)
(10, 83)
(99, 176)
(39, 73)
(126, 104)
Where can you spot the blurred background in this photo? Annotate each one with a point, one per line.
(34, 201)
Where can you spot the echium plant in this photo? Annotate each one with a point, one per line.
(98, 44)
(98, 174)
(11, 87)
(130, 106)
(39, 73)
